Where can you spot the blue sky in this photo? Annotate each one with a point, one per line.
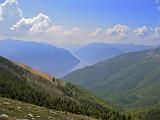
(93, 13)
(126, 21)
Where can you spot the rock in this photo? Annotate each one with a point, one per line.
(49, 117)
(22, 119)
(52, 112)
(6, 103)
(30, 115)
(4, 117)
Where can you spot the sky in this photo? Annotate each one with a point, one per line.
(75, 22)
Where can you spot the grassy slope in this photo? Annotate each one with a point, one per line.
(128, 80)
(47, 83)
(136, 86)
(21, 110)
(99, 72)
(31, 87)
(146, 113)
(34, 78)
(69, 89)
(83, 95)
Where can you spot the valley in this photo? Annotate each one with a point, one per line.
(126, 93)
(128, 80)
(79, 59)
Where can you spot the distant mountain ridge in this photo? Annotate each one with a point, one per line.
(96, 52)
(129, 80)
(43, 57)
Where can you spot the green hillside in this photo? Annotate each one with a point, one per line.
(128, 80)
(18, 110)
(21, 83)
(146, 113)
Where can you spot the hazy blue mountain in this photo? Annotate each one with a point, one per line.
(125, 48)
(44, 57)
(130, 80)
(96, 52)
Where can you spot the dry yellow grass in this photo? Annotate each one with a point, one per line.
(36, 72)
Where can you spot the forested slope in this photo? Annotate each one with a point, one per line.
(128, 80)
(22, 84)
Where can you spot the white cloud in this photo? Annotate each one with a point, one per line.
(139, 35)
(72, 32)
(141, 31)
(10, 9)
(118, 30)
(42, 24)
(10, 13)
(37, 24)
(39, 28)
(53, 29)
(97, 32)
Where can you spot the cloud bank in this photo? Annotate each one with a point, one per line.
(141, 30)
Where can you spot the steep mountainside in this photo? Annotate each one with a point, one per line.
(96, 52)
(130, 80)
(22, 83)
(46, 58)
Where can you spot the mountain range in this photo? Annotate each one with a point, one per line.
(127, 80)
(96, 52)
(59, 61)
(44, 57)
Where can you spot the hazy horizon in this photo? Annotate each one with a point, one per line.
(69, 23)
